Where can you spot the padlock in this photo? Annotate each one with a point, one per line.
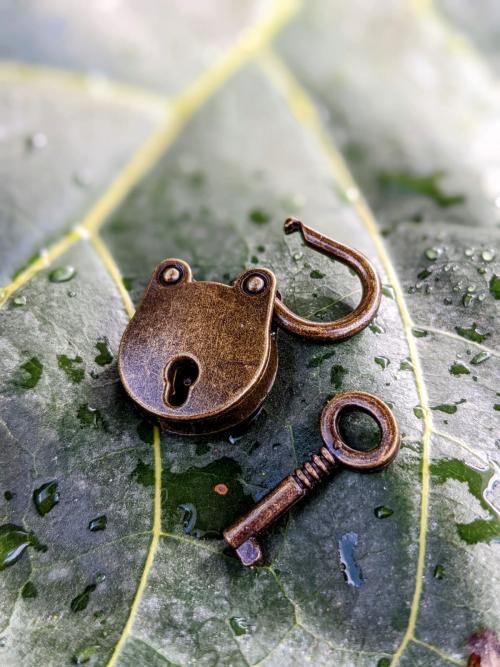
(201, 357)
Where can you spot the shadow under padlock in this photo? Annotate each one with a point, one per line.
(201, 357)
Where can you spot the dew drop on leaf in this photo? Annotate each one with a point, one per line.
(383, 362)
(419, 333)
(46, 497)
(459, 369)
(99, 523)
(439, 571)
(80, 602)
(382, 512)
(85, 654)
(479, 358)
(36, 141)
(239, 625)
(473, 333)
(189, 517)
(14, 540)
(351, 570)
(62, 274)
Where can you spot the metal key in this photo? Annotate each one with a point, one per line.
(241, 535)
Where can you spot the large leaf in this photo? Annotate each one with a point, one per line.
(397, 566)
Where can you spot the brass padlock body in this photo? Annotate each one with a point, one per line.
(201, 357)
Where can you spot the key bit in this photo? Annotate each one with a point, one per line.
(242, 535)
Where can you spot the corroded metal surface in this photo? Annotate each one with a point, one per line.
(242, 534)
(201, 357)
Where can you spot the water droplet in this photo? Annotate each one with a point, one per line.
(351, 570)
(100, 577)
(62, 274)
(85, 654)
(447, 408)
(80, 602)
(422, 275)
(406, 365)
(467, 299)
(99, 523)
(70, 367)
(105, 355)
(495, 286)
(418, 411)
(3, 641)
(473, 332)
(14, 540)
(239, 626)
(352, 194)
(383, 362)
(384, 662)
(419, 333)
(19, 301)
(189, 518)
(439, 571)
(488, 255)
(36, 141)
(376, 327)
(447, 301)
(46, 497)
(468, 252)
(297, 256)
(382, 512)
(316, 274)
(433, 253)
(479, 358)
(83, 177)
(459, 369)
(388, 291)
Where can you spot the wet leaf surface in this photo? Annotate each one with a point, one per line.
(125, 564)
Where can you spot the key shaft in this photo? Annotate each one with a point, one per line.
(241, 535)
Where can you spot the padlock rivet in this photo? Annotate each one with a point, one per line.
(254, 284)
(171, 275)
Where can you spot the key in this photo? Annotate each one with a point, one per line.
(242, 534)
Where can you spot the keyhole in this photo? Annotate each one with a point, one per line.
(180, 376)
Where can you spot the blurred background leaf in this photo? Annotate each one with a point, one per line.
(131, 133)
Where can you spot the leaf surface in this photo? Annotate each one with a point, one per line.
(399, 565)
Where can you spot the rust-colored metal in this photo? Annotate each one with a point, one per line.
(201, 357)
(242, 535)
(360, 317)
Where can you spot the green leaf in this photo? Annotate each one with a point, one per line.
(110, 534)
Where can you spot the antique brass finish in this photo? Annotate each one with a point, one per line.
(355, 321)
(241, 535)
(201, 357)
